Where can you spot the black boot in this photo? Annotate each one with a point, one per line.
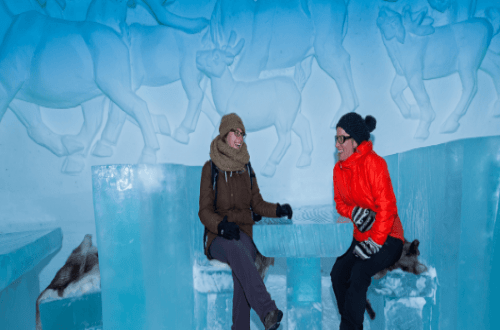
(273, 319)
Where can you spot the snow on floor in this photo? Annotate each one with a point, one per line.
(276, 285)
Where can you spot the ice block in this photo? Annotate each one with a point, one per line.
(22, 257)
(312, 233)
(73, 313)
(144, 234)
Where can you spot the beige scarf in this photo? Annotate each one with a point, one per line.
(227, 158)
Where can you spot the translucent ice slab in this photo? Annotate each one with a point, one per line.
(21, 251)
(313, 232)
(143, 220)
(22, 257)
(448, 198)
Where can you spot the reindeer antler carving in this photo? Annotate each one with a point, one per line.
(230, 50)
(418, 22)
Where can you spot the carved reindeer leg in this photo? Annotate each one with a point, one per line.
(210, 111)
(284, 141)
(138, 109)
(491, 65)
(331, 56)
(302, 128)
(29, 115)
(190, 78)
(111, 132)
(92, 119)
(114, 125)
(468, 77)
(427, 114)
(112, 76)
(399, 84)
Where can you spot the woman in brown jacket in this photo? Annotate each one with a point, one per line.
(229, 222)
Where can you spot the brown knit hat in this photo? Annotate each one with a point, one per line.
(230, 122)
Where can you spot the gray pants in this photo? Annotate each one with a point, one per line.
(249, 289)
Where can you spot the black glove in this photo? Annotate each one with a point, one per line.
(366, 249)
(228, 230)
(363, 218)
(284, 210)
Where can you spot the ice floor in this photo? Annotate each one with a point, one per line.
(276, 285)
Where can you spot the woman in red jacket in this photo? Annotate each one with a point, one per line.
(362, 192)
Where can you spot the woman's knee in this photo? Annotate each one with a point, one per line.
(360, 279)
(338, 273)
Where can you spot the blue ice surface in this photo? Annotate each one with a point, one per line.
(144, 237)
(74, 313)
(20, 252)
(22, 256)
(448, 198)
(313, 232)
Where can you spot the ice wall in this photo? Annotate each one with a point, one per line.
(448, 198)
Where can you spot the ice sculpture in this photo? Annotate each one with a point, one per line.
(260, 103)
(162, 55)
(65, 64)
(420, 52)
(281, 34)
(144, 232)
(457, 10)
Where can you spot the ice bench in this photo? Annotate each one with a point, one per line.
(79, 309)
(22, 256)
(313, 233)
(403, 300)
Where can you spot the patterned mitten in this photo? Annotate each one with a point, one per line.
(363, 218)
(366, 249)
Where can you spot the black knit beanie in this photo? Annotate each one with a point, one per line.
(357, 127)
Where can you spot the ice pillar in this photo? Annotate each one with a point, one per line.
(145, 246)
(303, 293)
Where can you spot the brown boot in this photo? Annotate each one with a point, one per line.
(273, 319)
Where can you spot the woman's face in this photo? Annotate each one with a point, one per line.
(235, 141)
(347, 148)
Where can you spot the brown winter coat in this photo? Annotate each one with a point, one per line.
(234, 199)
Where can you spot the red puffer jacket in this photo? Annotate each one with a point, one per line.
(363, 180)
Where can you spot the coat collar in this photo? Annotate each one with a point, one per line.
(364, 148)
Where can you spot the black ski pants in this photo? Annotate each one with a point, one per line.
(351, 276)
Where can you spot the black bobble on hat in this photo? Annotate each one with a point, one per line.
(357, 127)
(371, 123)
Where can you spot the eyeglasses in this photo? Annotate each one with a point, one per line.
(239, 134)
(342, 138)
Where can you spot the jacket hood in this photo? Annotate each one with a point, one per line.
(364, 148)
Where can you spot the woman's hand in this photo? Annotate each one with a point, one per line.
(366, 249)
(228, 230)
(362, 218)
(284, 210)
